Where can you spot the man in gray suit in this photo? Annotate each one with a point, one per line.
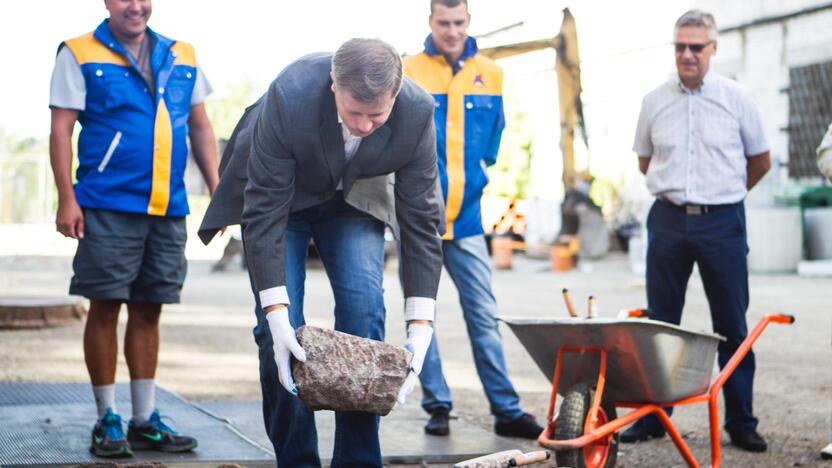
(338, 147)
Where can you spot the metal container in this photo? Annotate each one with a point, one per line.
(647, 361)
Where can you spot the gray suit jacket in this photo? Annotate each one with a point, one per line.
(287, 154)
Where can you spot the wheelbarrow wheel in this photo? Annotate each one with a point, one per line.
(571, 422)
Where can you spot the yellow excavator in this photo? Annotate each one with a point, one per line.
(568, 70)
(586, 226)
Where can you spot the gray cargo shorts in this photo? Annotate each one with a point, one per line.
(130, 257)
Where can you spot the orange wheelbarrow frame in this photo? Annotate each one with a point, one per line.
(598, 432)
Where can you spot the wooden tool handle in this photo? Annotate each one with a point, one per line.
(530, 457)
(568, 300)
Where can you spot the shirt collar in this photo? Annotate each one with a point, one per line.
(105, 36)
(471, 48)
(709, 77)
(345, 132)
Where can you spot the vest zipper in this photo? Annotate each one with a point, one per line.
(110, 150)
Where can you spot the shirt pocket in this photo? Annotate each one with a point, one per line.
(180, 86)
(117, 93)
(481, 113)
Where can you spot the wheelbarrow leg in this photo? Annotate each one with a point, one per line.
(675, 436)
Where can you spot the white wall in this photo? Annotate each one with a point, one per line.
(760, 58)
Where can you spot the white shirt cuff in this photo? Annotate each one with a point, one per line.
(419, 308)
(274, 296)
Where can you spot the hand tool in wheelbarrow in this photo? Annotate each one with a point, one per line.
(569, 307)
(506, 459)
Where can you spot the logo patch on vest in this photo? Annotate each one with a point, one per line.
(478, 80)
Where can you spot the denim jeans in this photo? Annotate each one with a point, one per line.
(467, 261)
(716, 242)
(351, 246)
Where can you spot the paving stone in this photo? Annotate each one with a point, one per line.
(346, 373)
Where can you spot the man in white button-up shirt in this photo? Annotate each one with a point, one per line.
(700, 143)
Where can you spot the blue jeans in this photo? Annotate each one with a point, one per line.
(351, 246)
(467, 261)
(716, 241)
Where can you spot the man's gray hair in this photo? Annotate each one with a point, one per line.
(698, 18)
(367, 68)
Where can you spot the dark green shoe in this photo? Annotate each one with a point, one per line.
(108, 439)
(156, 435)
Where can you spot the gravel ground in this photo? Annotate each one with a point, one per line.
(208, 353)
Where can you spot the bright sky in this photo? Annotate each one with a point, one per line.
(257, 38)
(625, 52)
(253, 38)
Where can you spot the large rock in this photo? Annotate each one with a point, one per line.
(346, 373)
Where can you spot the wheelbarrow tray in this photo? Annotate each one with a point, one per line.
(647, 361)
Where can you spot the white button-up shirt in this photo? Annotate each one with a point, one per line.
(351, 144)
(698, 141)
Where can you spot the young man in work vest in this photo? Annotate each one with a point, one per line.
(468, 113)
(137, 95)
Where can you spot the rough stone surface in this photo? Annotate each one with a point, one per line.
(347, 373)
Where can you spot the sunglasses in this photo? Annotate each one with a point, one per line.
(694, 48)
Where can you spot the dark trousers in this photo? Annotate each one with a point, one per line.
(716, 242)
(351, 246)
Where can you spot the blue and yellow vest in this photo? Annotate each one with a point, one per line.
(469, 123)
(132, 149)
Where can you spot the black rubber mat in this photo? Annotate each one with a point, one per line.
(50, 424)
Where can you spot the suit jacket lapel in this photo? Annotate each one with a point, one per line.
(332, 140)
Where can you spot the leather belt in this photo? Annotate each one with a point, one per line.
(692, 209)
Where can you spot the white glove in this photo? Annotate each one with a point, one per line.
(418, 341)
(285, 342)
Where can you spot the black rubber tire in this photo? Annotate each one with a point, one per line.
(571, 421)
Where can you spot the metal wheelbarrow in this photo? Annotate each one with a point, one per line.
(601, 364)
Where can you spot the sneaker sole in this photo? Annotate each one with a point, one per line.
(123, 452)
(149, 446)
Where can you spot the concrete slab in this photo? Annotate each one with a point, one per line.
(402, 439)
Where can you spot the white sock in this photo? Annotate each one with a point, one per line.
(143, 395)
(105, 397)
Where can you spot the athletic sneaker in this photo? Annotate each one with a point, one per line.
(108, 437)
(156, 435)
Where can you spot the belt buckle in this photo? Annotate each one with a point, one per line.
(693, 209)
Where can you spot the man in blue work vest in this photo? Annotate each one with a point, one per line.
(137, 96)
(468, 114)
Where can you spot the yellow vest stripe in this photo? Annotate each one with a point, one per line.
(162, 149)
